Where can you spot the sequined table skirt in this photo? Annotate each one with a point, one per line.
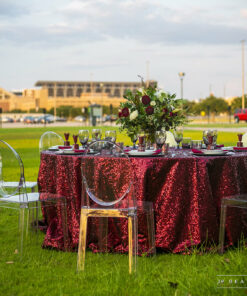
(186, 193)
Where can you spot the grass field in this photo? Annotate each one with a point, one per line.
(49, 272)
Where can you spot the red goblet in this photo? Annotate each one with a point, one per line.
(66, 142)
(75, 138)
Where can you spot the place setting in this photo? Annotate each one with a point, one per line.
(144, 149)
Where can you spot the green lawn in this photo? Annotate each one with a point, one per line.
(49, 272)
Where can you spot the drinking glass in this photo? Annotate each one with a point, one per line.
(178, 135)
(215, 134)
(160, 138)
(83, 137)
(142, 141)
(134, 140)
(111, 136)
(205, 136)
(186, 143)
(196, 144)
(96, 134)
(208, 138)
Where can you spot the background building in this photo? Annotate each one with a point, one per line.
(53, 94)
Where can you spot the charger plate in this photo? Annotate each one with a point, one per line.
(211, 153)
(142, 153)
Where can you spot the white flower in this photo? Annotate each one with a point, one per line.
(153, 103)
(158, 93)
(133, 115)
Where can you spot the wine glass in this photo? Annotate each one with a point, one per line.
(160, 138)
(178, 135)
(209, 137)
(110, 136)
(134, 140)
(205, 135)
(142, 141)
(83, 137)
(96, 134)
(215, 134)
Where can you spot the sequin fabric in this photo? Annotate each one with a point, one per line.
(186, 192)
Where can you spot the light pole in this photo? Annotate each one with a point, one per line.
(181, 76)
(243, 101)
(55, 102)
(101, 91)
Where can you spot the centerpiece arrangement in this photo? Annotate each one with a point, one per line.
(149, 110)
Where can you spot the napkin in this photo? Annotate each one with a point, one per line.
(79, 150)
(240, 148)
(64, 147)
(126, 150)
(158, 151)
(196, 151)
(220, 146)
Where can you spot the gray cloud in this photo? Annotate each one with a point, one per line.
(143, 21)
(9, 8)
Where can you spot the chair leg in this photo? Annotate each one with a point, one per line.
(37, 216)
(82, 242)
(132, 232)
(21, 230)
(103, 233)
(222, 228)
(151, 231)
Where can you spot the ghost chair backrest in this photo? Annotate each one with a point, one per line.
(11, 166)
(50, 139)
(170, 139)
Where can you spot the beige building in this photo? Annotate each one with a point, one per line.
(67, 93)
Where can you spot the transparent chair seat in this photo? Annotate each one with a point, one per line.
(108, 181)
(14, 184)
(236, 201)
(17, 198)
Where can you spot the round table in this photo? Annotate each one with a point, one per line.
(186, 192)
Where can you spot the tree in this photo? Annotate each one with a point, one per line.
(216, 105)
(189, 106)
(237, 103)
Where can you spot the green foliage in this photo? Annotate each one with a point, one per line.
(150, 110)
(237, 103)
(110, 110)
(16, 111)
(215, 105)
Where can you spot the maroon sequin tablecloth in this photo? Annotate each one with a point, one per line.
(186, 193)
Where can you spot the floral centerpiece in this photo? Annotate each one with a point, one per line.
(149, 110)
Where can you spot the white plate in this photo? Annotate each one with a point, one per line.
(141, 153)
(53, 148)
(211, 152)
(229, 148)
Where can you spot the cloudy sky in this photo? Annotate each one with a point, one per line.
(115, 40)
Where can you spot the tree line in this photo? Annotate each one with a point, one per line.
(213, 104)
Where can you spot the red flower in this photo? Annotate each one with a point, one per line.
(125, 112)
(165, 110)
(149, 110)
(146, 100)
(120, 114)
(171, 114)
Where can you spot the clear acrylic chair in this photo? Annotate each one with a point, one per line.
(108, 179)
(50, 139)
(17, 198)
(170, 139)
(236, 201)
(244, 140)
